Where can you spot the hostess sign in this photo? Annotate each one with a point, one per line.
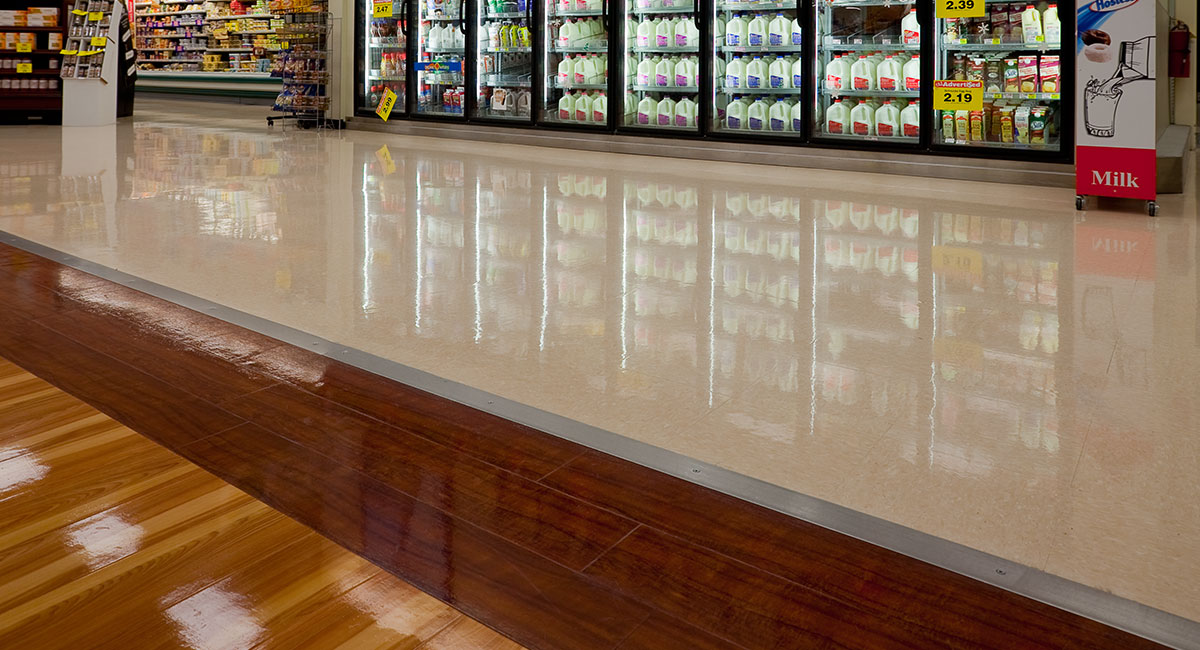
(1114, 98)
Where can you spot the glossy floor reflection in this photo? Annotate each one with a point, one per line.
(976, 361)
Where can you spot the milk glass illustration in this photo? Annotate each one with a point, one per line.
(1100, 98)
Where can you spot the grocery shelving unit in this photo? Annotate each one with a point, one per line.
(303, 67)
(29, 70)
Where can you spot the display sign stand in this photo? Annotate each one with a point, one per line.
(91, 61)
(1116, 134)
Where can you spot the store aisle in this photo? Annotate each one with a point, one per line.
(969, 360)
(113, 541)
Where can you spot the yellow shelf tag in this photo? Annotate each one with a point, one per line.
(386, 104)
(99, 41)
(24, 48)
(24, 68)
(382, 10)
(956, 95)
(88, 52)
(385, 159)
(960, 9)
(79, 12)
(68, 52)
(95, 16)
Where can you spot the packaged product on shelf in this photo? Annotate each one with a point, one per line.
(975, 68)
(948, 125)
(912, 73)
(1021, 124)
(962, 125)
(1048, 70)
(960, 67)
(993, 78)
(998, 14)
(1038, 126)
(1012, 76)
(978, 126)
(1027, 69)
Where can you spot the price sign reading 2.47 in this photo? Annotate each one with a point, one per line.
(960, 9)
(955, 95)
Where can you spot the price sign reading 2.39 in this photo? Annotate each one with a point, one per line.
(955, 95)
(960, 9)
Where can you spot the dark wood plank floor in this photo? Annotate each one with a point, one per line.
(552, 544)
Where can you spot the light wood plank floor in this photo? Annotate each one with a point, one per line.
(108, 540)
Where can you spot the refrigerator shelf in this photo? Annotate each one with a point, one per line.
(859, 47)
(581, 86)
(384, 41)
(870, 93)
(1037, 96)
(838, 4)
(665, 89)
(1002, 47)
(600, 47)
(761, 91)
(653, 49)
(754, 6)
(868, 138)
(442, 19)
(505, 14)
(662, 10)
(497, 81)
(393, 46)
(439, 82)
(385, 77)
(445, 50)
(1051, 145)
(660, 127)
(506, 50)
(555, 119)
(502, 115)
(580, 12)
(431, 112)
(755, 49)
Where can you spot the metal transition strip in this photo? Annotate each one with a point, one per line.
(1130, 616)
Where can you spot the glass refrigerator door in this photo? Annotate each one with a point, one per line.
(576, 60)
(439, 64)
(385, 56)
(867, 72)
(661, 65)
(504, 52)
(1016, 51)
(757, 68)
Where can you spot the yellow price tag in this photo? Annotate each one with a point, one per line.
(99, 41)
(386, 104)
(24, 48)
(95, 16)
(382, 10)
(68, 52)
(283, 45)
(24, 68)
(79, 12)
(88, 52)
(385, 159)
(958, 261)
(960, 9)
(955, 95)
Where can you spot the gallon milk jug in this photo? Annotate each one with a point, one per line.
(736, 31)
(630, 109)
(566, 71)
(779, 32)
(779, 74)
(567, 33)
(735, 73)
(686, 33)
(735, 114)
(685, 73)
(797, 111)
(585, 70)
(797, 73)
(912, 73)
(566, 107)
(837, 119)
(1031, 23)
(756, 31)
(664, 34)
(666, 112)
(756, 73)
(911, 28)
(719, 30)
(1051, 26)
(780, 116)
(796, 34)
(758, 115)
(600, 109)
(664, 73)
(862, 119)
(645, 71)
(835, 74)
(647, 111)
(719, 73)
(631, 30)
(887, 121)
(863, 73)
(583, 108)
(645, 33)
(685, 113)
(889, 75)
(910, 120)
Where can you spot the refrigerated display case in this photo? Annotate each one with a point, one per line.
(439, 63)
(661, 65)
(576, 63)
(504, 60)
(1016, 51)
(385, 57)
(758, 68)
(867, 71)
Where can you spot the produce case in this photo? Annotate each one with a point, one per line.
(662, 68)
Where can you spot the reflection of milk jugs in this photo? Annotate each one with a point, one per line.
(583, 108)
(779, 31)
(756, 73)
(912, 73)
(735, 73)
(666, 112)
(647, 110)
(686, 33)
(863, 74)
(862, 119)
(737, 31)
(890, 75)
(756, 31)
(887, 121)
(631, 30)
(664, 34)
(779, 73)
(600, 109)
(736, 114)
(646, 70)
(781, 115)
(719, 72)
(646, 32)
(629, 109)
(910, 120)
(797, 39)
(685, 112)
(911, 28)
(798, 117)
(566, 107)
(837, 119)
(758, 115)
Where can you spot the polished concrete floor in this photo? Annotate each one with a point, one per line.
(976, 361)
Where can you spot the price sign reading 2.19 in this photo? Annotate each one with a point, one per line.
(956, 95)
(960, 9)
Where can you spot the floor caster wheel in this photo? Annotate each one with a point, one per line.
(1080, 202)
(1152, 208)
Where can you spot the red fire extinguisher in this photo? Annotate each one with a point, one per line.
(1180, 58)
